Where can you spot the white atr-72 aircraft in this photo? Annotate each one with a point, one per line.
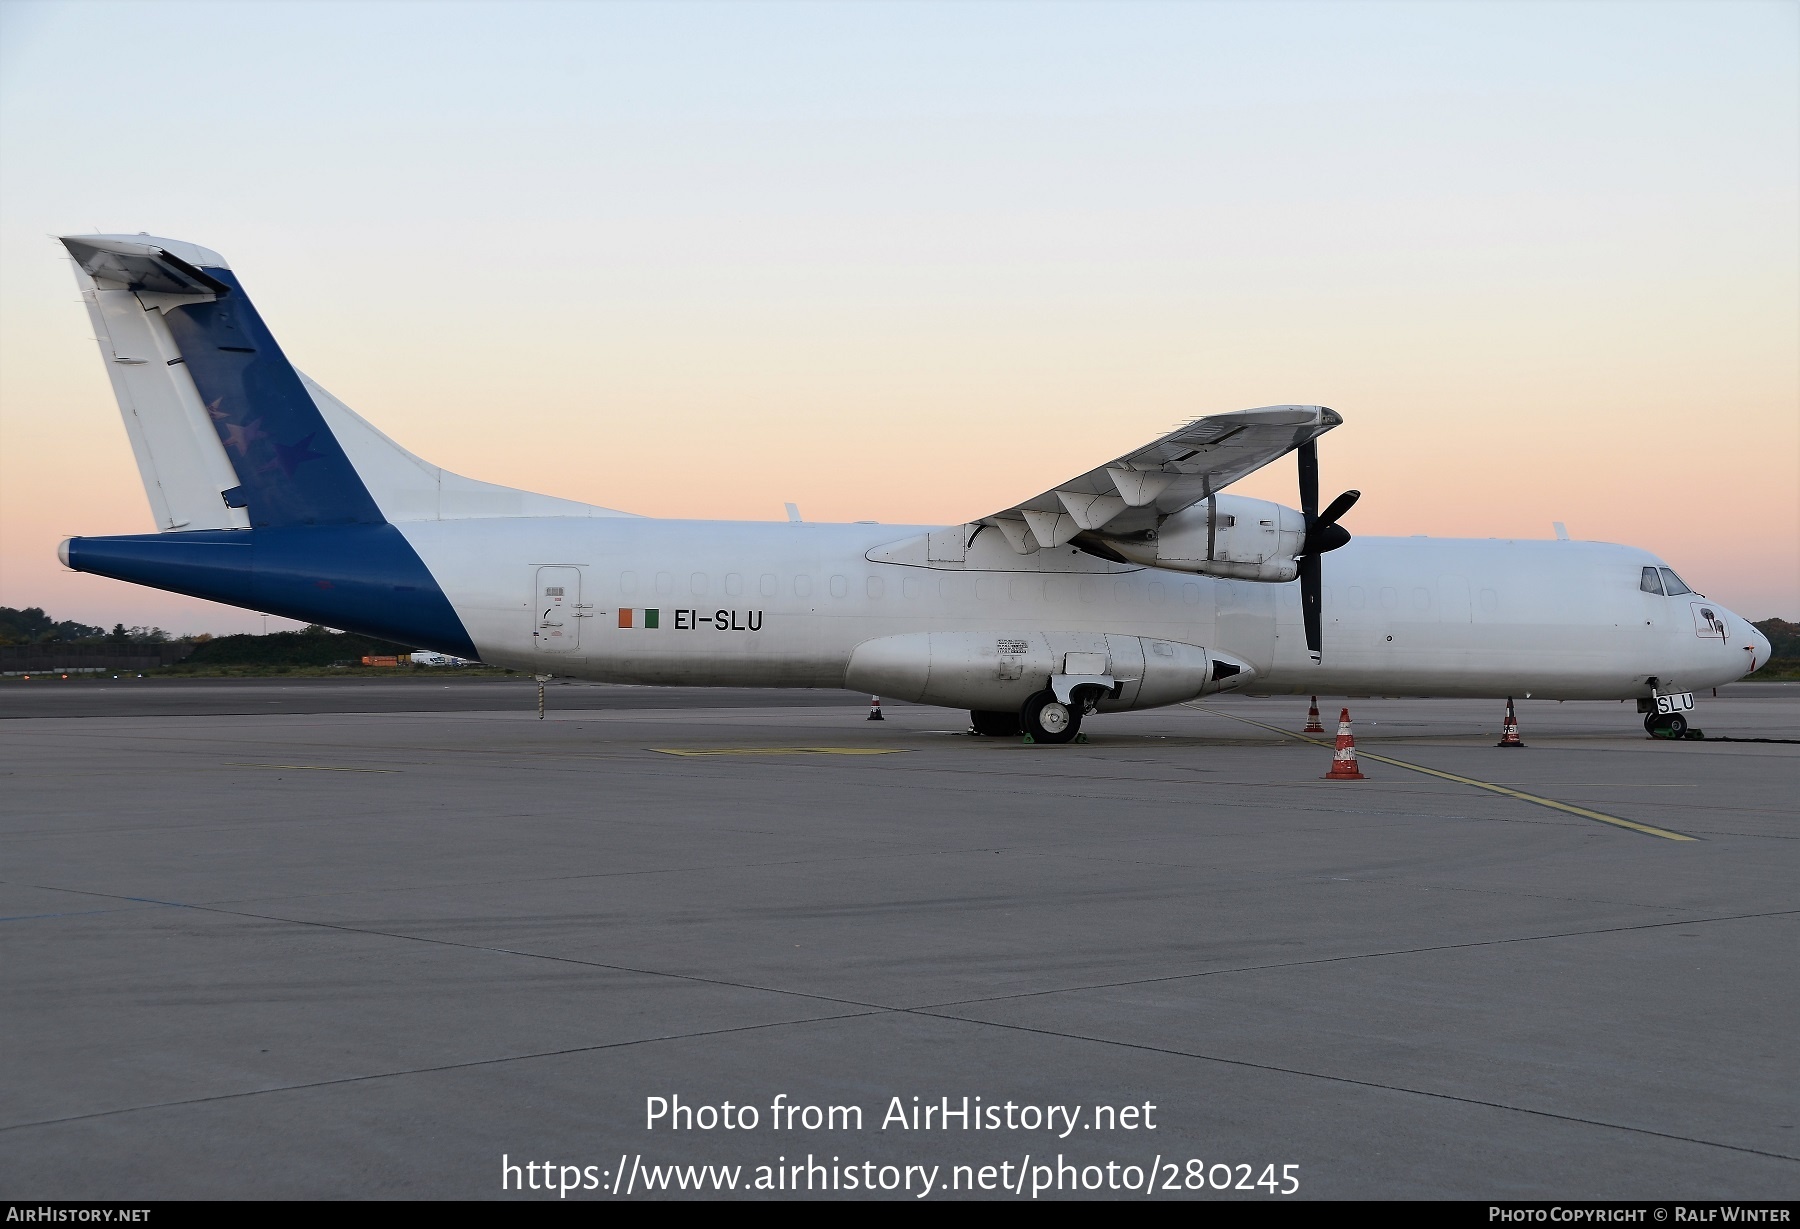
(1136, 584)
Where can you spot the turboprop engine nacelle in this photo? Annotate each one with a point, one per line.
(997, 672)
(1229, 535)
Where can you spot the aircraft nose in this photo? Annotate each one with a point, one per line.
(1760, 652)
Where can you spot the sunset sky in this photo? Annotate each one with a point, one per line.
(913, 262)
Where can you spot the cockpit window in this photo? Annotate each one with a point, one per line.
(1672, 583)
(1649, 582)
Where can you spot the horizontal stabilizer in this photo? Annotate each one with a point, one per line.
(146, 264)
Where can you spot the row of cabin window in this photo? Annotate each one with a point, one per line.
(1018, 588)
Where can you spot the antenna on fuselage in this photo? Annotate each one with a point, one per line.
(793, 511)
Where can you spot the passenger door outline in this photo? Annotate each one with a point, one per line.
(558, 610)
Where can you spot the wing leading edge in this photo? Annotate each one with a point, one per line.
(1135, 492)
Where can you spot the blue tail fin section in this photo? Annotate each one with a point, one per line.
(318, 547)
(290, 467)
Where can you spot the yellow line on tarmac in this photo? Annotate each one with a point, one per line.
(1552, 803)
(780, 750)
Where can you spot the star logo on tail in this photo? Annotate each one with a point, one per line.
(290, 457)
(242, 437)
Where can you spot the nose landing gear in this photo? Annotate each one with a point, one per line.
(1666, 713)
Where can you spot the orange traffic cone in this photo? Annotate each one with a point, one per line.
(1312, 719)
(1343, 760)
(875, 709)
(1509, 733)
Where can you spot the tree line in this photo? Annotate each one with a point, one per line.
(32, 626)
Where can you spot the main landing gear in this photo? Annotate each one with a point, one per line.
(995, 725)
(1042, 719)
(1048, 720)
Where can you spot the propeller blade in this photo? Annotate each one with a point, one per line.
(1326, 534)
(1342, 504)
(1310, 583)
(1309, 482)
(1323, 533)
(1327, 538)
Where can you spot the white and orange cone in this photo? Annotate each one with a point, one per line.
(875, 709)
(1343, 760)
(1509, 733)
(1312, 719)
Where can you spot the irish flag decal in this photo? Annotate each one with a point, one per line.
(626, 615)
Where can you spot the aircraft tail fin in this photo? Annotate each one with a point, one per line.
(227, 433)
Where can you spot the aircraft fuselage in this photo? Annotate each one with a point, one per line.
(759, 604)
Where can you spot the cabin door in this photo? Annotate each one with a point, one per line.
(559, 610)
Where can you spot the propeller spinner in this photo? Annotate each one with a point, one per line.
(1323, 533)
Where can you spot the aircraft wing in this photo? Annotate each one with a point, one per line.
(1136, 491)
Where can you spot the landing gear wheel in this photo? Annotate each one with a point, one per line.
(995, 725)
(1675, 725)
(1650, 724)
(1049, 720)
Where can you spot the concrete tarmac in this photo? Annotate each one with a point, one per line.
(438, 692)
(327, 950)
